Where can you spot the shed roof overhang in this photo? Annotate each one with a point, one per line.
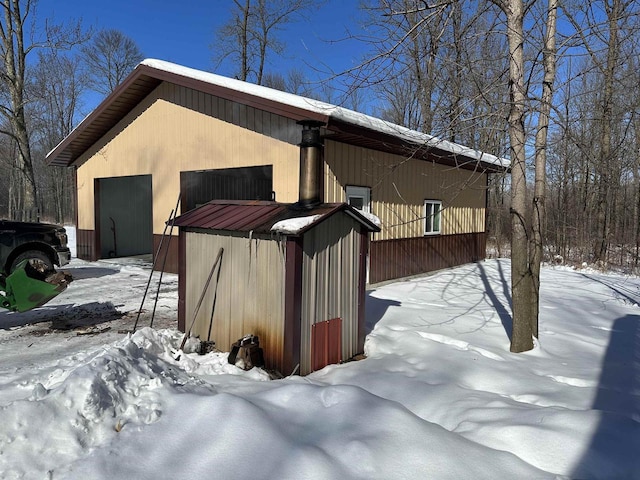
(260, 216)
(341, 124)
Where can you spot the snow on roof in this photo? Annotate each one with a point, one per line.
(371, 217)
(323, 108)
(291, 226)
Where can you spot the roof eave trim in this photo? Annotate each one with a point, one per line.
(273, 106)
(491, 164)
(263, 103)
(50, 158)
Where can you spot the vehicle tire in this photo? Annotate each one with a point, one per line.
(39, 260)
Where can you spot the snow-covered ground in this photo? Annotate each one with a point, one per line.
(438, 396)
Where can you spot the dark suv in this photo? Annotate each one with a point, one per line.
(43, 243)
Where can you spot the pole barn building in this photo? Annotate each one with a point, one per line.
(170, 132)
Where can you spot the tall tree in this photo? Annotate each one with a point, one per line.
(15, 47)
(251, 33)
(594, 156)
(614, 10)
(429, 51)
(521, 275)
(14, 53)
(405, 38)
(57, 88)
(436, 67)
(540, 147)
(110, 57)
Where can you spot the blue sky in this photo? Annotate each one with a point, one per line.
(183, 32)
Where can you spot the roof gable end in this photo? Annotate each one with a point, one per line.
(346, 125)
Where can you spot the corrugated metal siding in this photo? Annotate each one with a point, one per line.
(391, 259)
(330, 274)
(266, 123)
(250, 295)
(86, 244)
(167, 259)
(399, 187)
(162, 138)
(239, 216)
(326, 343)
(242, 183)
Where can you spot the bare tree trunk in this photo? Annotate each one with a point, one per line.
(15, 189)
(30, 211)
(244, 39)
(614, 10)
(539, 198)
(565, 183)
(455, 113)
(14, 63)
(56, 89)
(425, 74)
(252, 32)
(16, 26)
(521, 278)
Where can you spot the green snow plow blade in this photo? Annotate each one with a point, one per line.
(27, 287)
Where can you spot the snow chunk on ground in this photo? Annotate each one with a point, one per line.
(125, 385)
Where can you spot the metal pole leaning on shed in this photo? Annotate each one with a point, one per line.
(215, 297)
(153, 265)
(204, 291)
(164, 261)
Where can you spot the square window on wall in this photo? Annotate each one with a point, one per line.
(359, 198)
(432, 216)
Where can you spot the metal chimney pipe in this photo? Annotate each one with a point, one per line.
(310, 164)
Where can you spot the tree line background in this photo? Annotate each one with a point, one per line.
(440, 67)
(47, 69)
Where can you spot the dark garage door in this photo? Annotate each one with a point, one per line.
(125, 216)
(244, 183)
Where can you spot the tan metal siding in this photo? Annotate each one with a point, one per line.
(250, 295)
(175, 129)
(399, 187)
(330, 273)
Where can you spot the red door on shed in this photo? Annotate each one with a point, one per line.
(326, 343)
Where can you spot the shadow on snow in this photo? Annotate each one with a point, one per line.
(503, 312)
(614, 451)
(62, 317)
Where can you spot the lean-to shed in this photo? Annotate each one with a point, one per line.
(293, 275)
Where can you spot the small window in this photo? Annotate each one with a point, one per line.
(359, 198)
(432, 209)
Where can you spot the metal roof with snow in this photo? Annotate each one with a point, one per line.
(341, 124)
(261, 216)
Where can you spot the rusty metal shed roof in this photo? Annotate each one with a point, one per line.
(260, 216)
(342, 125)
